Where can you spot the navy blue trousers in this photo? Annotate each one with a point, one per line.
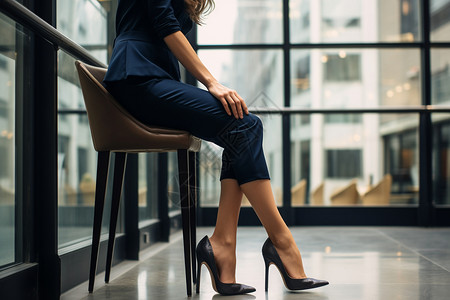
(173, 104)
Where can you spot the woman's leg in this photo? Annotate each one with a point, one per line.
(173, 104)
(259, 194)
(223, 239)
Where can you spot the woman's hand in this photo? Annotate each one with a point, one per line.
(229, 99)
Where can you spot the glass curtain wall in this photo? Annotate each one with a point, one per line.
(11, 37)
(336, 159)
(440, 89)
(86, 22)
(90, 23)
(354, 159)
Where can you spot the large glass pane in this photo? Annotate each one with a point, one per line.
(210, 163)
(440, 20)
(10, 41)
(354, 21)
(85, 22)
(148, 186)
(243, 22)
(440, 76)
(344, 159)
(355, 78)
(77, 161)
(257, 75)
(173, 185)
(441, 159)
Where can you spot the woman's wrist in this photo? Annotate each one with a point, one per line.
(210, 82)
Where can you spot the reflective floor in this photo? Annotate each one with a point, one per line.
(359, 262)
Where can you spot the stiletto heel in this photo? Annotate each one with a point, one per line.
(267, 275)
(197, 285)
(205, 255)
(271, 256)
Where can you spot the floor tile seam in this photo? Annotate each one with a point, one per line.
(413, 250)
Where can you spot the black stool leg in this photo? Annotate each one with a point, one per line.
(183, 173)
(192, 208)
(100, 191)
(119, 168)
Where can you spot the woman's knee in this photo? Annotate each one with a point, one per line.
(255, 123)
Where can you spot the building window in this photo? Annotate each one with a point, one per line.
(302, 73)
(3, 108)
(342, 67)
(441, 163)
(440, 87)
(3, 64)
(440, 14)
(343, 118)
(344, 163)
(409, 20)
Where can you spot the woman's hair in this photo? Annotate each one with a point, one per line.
(195, 9)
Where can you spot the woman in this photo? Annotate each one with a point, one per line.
(144, 77)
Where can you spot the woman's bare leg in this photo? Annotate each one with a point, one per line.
(260, 196)
(223, 239)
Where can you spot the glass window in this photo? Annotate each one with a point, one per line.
(273, 150)
(440, 76)
(148, 186)
(354, 21)
(210, 164)
(374, 162)
(441, 159)
(77, 162)
(440, 20)
(343, 163)
(243, 22)
(352, 78)
(9, 40)
(173, 185)
(85, 22)
(402, 162)
(301, 71)
(300, 17)
(347, 118)
(232, 68)
(342, 67)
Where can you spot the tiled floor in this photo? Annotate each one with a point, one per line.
(359, 262)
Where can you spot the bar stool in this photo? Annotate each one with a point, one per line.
(114, 130)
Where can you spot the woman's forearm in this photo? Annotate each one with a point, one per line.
(183, 51)
(230, 99)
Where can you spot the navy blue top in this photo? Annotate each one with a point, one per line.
(139, 48)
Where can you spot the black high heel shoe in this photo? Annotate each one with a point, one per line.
(205, 255)
(271, 256)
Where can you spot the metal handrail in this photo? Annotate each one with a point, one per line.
(389, 110)
(305, 111)
(27, 18)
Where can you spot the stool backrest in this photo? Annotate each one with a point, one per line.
(112, 127)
